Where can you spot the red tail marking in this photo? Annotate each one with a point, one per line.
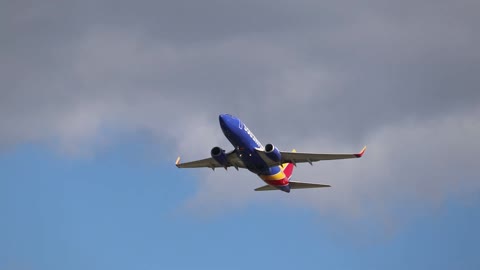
(288, 170)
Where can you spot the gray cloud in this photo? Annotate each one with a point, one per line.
(331, 76)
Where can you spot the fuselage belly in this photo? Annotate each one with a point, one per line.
(245, 144)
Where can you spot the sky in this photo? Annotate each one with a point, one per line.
(98, 98)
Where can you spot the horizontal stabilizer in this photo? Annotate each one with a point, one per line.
(293, 185)
(267, 187)
(300, 185)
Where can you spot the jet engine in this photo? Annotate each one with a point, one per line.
(219, 155)
(272, 153)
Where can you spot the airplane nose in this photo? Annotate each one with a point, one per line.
(221, 118)
(226, 119)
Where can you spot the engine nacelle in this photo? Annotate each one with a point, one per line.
(219, 155)
(272, 153)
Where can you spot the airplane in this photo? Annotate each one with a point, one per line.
(273, 166)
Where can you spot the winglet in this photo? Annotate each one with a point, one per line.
(359, 155)
(177, 161)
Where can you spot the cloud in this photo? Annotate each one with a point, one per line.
(423, 163)
(400, 77)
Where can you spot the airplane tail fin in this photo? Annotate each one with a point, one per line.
(288, 167)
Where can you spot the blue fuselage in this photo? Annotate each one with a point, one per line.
(245, 144)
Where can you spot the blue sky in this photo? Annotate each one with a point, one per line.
(121, 210)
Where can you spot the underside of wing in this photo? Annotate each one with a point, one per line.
(295, 157)
(202, 163)
(232, 160)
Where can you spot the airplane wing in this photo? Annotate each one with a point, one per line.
(211, 163)
(294, 157)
